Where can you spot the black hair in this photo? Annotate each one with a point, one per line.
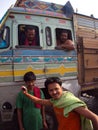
(52, 80)
(29, 27)
(29, 76)
(64, 31)
(67, 32)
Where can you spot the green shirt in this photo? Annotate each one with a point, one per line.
(32, 118)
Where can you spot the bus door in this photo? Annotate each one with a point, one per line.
(60, 63)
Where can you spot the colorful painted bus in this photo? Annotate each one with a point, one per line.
(44, 59)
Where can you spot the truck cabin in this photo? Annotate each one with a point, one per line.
(47, 23)
(19, 53)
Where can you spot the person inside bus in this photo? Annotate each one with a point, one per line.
(30, 36)
(63, 42)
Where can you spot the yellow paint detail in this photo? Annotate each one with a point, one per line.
(21, 72)
(5, 73)
(60, 70)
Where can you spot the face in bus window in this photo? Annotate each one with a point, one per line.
(30, 37)
(63, 37)
(30, 34)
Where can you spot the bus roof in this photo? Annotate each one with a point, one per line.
(66, 10)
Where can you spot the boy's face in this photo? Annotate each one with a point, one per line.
(55, 90)
(30, 84)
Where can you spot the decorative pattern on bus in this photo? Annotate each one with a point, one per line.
(20, 56)
(41, 5)
(42, 62)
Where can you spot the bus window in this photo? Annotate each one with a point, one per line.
(64, 39)
(5, 38)
(48, 36)
(28, 35)
(58, 32)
